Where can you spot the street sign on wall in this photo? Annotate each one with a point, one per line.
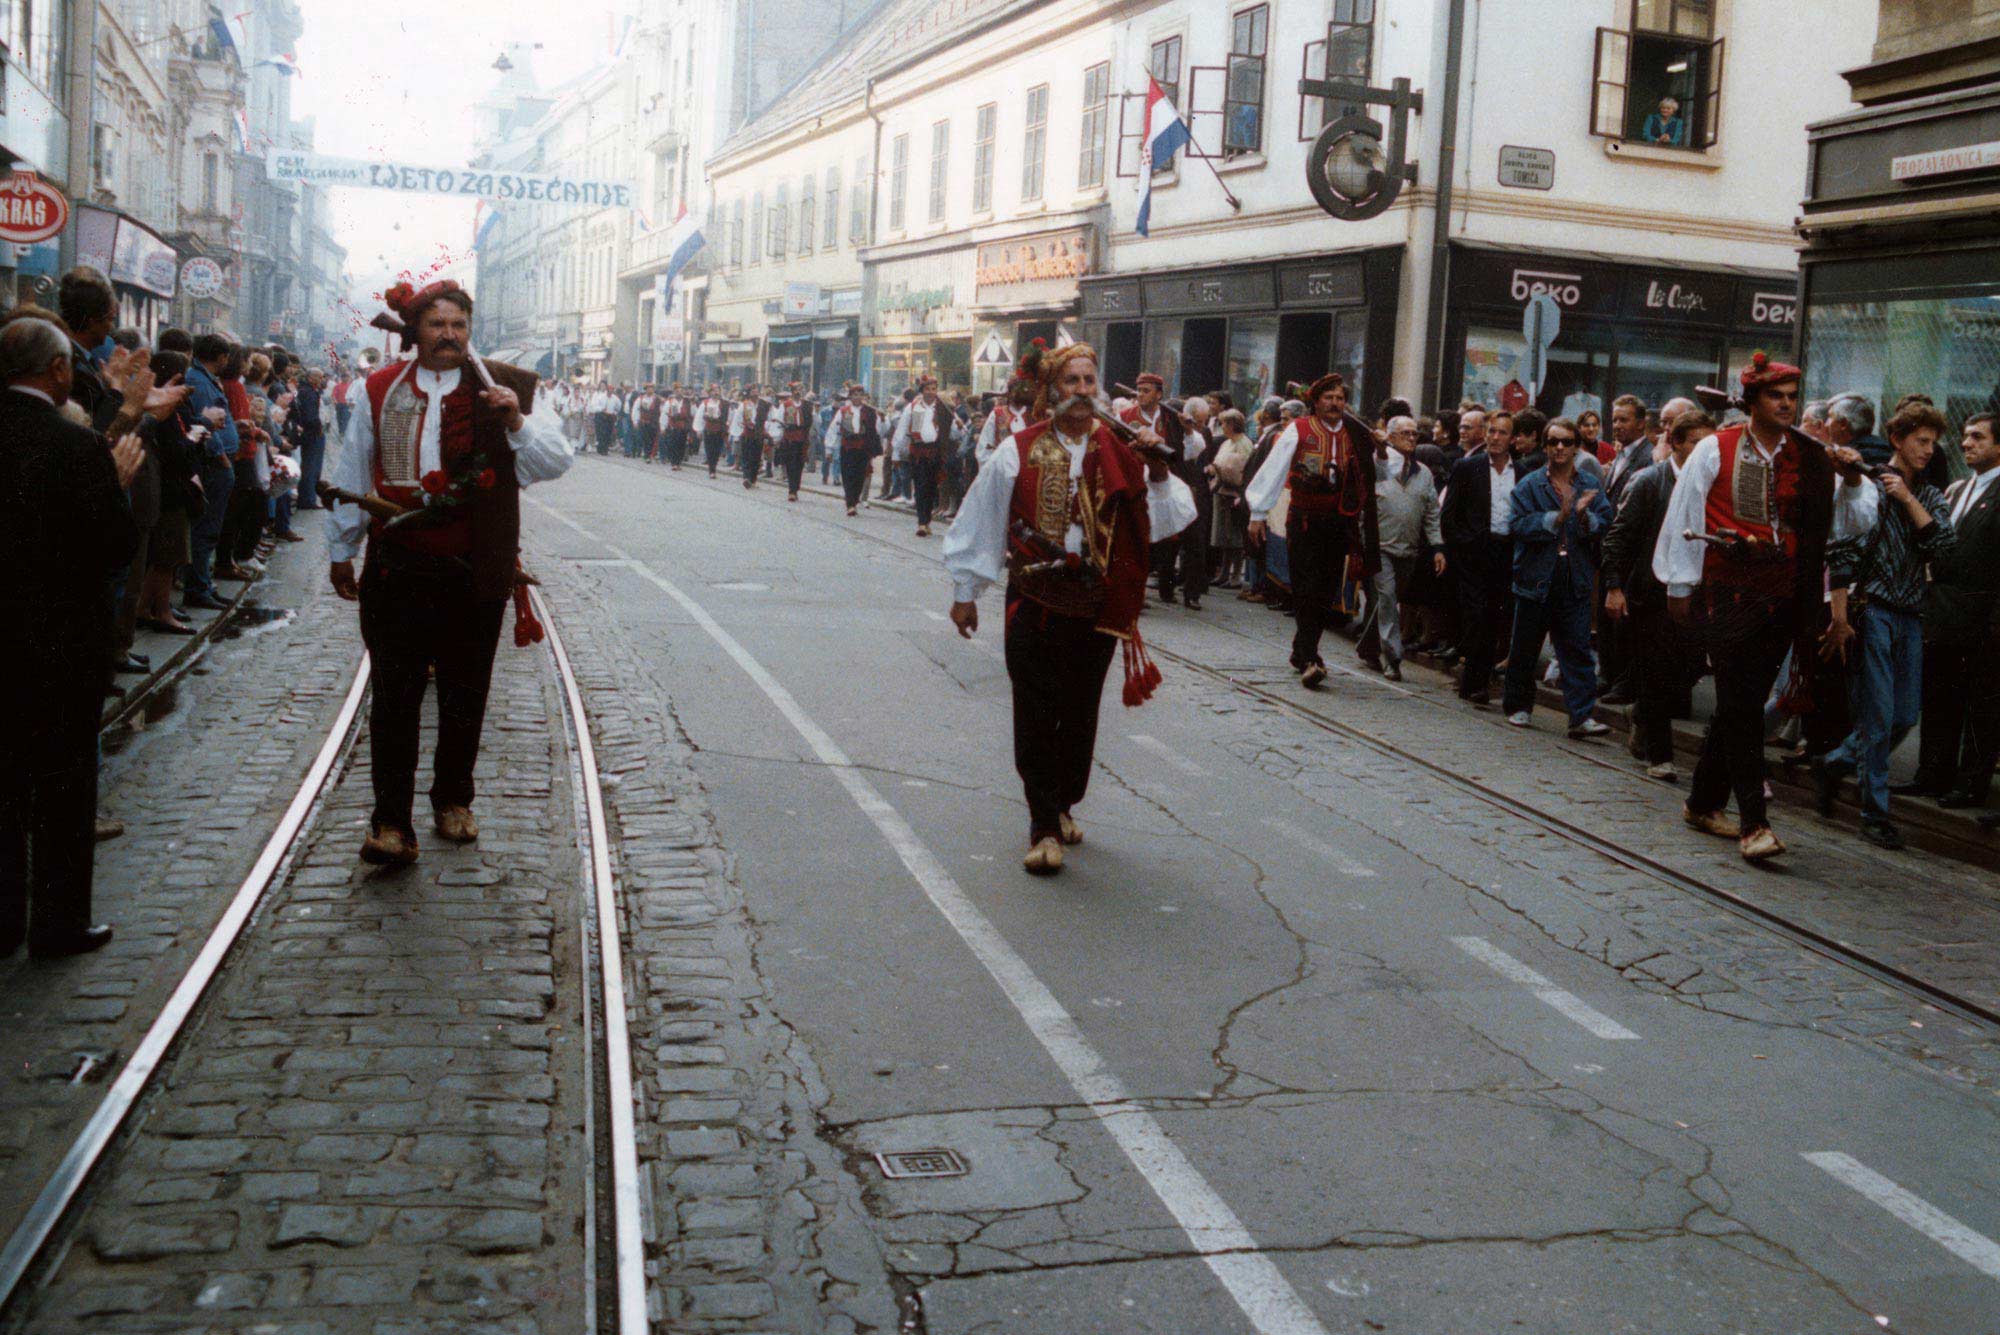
(30, 209)
(1527, 168)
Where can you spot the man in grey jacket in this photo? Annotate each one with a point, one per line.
(1407, 516)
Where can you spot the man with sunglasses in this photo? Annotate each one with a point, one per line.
(1557, 515)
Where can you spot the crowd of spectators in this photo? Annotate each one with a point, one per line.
(135, 479)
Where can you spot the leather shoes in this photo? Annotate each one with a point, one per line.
(1068, 830)
(1881, 833)
(387, 846)
(1045, 858)
(132, 664)
(80, 942)
(1716, 823)
(207, 602)
(1760, 845)
(1826, 787)
(457, 825)
(108, 828)
(1960, 798)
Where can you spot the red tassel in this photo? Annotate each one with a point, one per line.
(1142, 677)
(527, 628)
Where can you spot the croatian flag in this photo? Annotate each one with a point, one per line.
(243, 129)
(686, 239)
(284, 62)
(484, 216)
(1166, 134)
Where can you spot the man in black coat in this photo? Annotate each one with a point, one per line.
(1961, 707)
(1477, 518)
(65, 530)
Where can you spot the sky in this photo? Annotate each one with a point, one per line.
(399, 82)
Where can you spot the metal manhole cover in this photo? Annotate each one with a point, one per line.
(922, 1163)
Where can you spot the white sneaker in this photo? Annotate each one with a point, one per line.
(1521, 720)
(1666, 772)
(1590, 727)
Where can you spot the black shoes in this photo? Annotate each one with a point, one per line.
(1826, 787)
(1960, 798)
(1881, 833)
(81, 942)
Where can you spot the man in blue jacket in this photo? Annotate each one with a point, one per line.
(218, 471)
(1558, 515)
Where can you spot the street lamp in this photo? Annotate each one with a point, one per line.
(1351, 174)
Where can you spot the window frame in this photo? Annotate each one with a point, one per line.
(808, 212)
(756, 233)
(899, 181)
(1172, 89)
(780, 222)
(940, 170)
(985, 135)
(1260, 15)
(861, 199)
(1035, 145)
(1611, 112)
(830, 228)
(1095, 122)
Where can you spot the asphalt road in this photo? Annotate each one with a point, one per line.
(1304, 1039)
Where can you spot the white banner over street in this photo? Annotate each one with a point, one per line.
(431, 179)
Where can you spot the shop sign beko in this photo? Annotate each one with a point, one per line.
(1024, 265)
(1945, 161)
(1330, 284)
(1766, 305)
(1488, 278)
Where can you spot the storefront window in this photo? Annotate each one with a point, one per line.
(1253, 358)
(1658, 368)
(1496, 357)
(1946, 347)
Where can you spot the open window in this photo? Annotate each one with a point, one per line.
(1660, 82)
(1346, 54)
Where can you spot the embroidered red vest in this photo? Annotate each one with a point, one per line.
(485, 530)
(717, 424)
(1757, 501)
(865, 438)
(679, 413)
(1324, 455)
(793, 432)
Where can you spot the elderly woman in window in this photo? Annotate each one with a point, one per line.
(1665, 126)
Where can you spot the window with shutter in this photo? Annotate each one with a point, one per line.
(1659, 82)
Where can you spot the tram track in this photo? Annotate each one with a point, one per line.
(613, 1227)
(1800, 934)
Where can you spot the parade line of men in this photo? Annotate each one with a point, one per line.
(1076, 509)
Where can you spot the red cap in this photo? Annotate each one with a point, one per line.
(1763, 371)
(1149, 378)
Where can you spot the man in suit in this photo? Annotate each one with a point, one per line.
(1961, 708)
(1479, 537)
(67, 529)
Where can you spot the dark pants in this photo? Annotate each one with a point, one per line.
(1732, 752)
(1564, 617)
(1960, 741)
(750, 455)
(1317, 546)
(418, 618)
(792, 458)
(1057, 665)
(218, 477)
(649, 441)
(1666, 665)
(676, 440)
(244, 523)
(312, 459)
(607, 429)
(1183, 559)
(854, 475)
(711, 448)
(924, 473)
(48, 798)
(1485, 606)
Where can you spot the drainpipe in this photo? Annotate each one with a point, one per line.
(874, 154)
(1447, 167)
(80, 105)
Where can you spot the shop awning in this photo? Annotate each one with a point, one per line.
(510, 355)
(545, 365)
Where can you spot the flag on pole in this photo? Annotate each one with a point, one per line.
(284, 62)
(1165, 135)
(229, 32)
(242, 129)
(618, 47)
(484, 216)
(686, 240)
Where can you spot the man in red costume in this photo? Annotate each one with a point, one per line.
(1065, 513)
(855, 431)
(432, 435)
(1325, 462)
(1742, 551)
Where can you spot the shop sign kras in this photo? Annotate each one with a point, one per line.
(1029, 268)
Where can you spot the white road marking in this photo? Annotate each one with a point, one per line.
(1569, 1003)
(935, 616)
(1166, 753)
(1260, 1289)
(1975, 1249)
(1346, 865)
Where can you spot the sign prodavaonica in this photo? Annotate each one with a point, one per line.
(439, 179)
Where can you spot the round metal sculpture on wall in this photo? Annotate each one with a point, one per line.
(1348, 172)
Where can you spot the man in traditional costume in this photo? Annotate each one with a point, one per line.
(1007, 417)
(1325, 463)
(713, 414)
(790, 430)
(678, 414)
(923, 435)
(1064, 512)
(856, 431)
(746, 431)
(1186, 553)
(1742, 552)
(646, 407)
(453, 440)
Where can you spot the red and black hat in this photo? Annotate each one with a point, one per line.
(1763, 371)
(1151, 378)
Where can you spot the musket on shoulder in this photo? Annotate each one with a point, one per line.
(1122, 430)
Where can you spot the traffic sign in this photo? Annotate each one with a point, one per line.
(30, 209)
(1541, 321)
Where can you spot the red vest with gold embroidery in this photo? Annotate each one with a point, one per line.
(1322, 463)
(1754, 500)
